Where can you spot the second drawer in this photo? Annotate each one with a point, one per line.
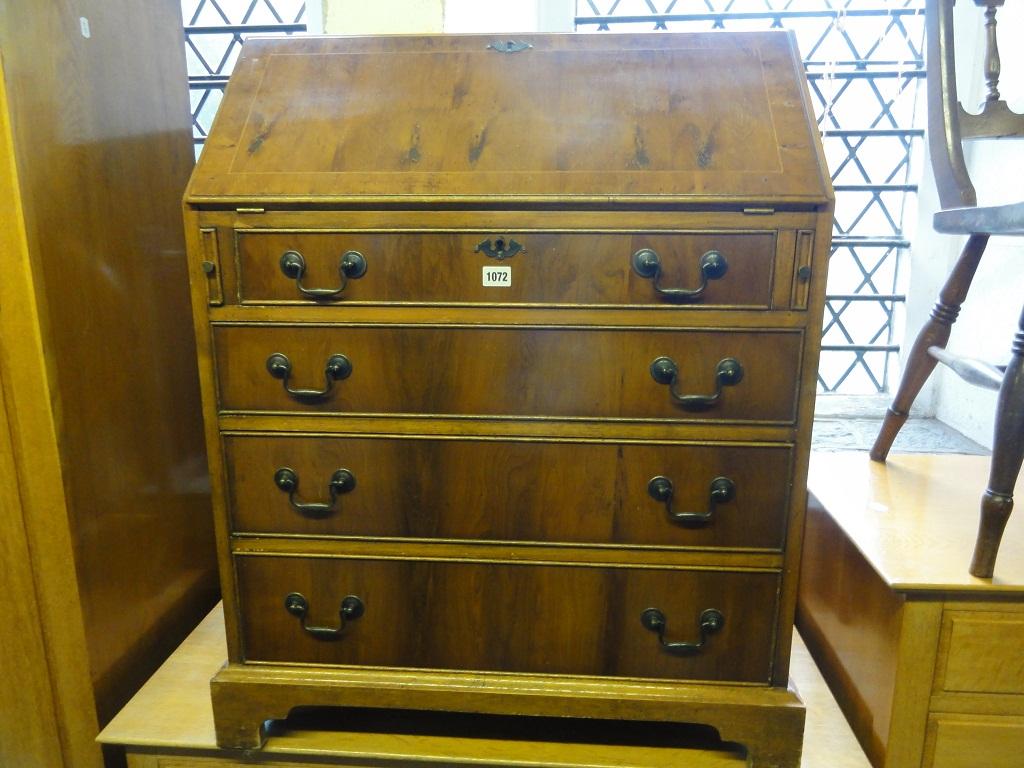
(679, 374)
(716, 495)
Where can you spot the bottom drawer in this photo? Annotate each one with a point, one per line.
(972, 741)
(564, 619)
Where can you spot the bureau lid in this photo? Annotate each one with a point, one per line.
(584, 118)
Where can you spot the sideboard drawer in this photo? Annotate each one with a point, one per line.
(599, 493)
(983, 652)
(559, 372)
(973, 741)
(712, 269)
(565, 619)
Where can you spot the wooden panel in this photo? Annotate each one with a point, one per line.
(985, 652)
(850, 621)
(907, 517)
(558, 372)
(969, 741)
(27, 687)
(103, 150)
(555, 268)
(519, 618)
(446, 118)
(505, 490)
(37, 727)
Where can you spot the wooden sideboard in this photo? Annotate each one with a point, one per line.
(926, 661)
(106, 546)
(508, 352)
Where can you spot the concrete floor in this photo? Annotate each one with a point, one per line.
(917, 436)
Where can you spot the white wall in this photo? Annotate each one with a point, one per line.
(360, 17)
(989, 316)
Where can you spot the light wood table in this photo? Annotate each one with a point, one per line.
(926, 661)
(169, 724)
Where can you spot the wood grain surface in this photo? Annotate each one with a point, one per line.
(914, 519)
(549, 379)
(923, 658)
(449, 119)
(576, 619)
(511, 490)
(554, 268)
(171, 721)
(548, 371)
(99, 376)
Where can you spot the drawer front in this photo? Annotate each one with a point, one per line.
(600, 493)
(984, 652)
(569, 619)
(535, 372)
(551, 268)
(973, 741)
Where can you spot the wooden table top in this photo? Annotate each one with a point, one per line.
(915, 518)
(173, 712)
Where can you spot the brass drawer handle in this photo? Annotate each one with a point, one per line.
(351, 609)
(342, 481)
(711, 621)
(352, 266)
(728, 373)
(661, 489)
(338, 367)
(647, 264)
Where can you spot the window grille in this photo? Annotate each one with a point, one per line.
(864, 63)
(214, 31)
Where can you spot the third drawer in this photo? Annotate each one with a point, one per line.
(679, 495)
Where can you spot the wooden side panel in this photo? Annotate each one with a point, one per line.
(47, 713)
(509, 617)
(850, 621)
(511, 490)
(103, 151)
(27, 688)
(509, 371)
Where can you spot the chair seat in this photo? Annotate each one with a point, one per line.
(981, 220)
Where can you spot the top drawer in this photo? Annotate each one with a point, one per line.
(710, 268)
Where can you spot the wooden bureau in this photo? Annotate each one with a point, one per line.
(508, 355)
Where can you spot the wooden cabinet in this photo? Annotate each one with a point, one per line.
(926, 661)
(508, 355)
(107, 558)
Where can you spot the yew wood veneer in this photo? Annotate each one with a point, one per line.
(508, 354)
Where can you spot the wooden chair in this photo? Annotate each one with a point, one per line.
(948, 124)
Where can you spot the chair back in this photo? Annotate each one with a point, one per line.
(948, 122)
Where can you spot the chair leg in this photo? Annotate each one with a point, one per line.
(1007, 457)
(934, 334)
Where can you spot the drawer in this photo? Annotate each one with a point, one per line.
(514, 617)
(972, 741)
(552, 267)
(504, 490)
(513, 372)
(983, 652)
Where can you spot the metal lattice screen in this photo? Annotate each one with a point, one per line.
(864, 63)
(214, 31)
